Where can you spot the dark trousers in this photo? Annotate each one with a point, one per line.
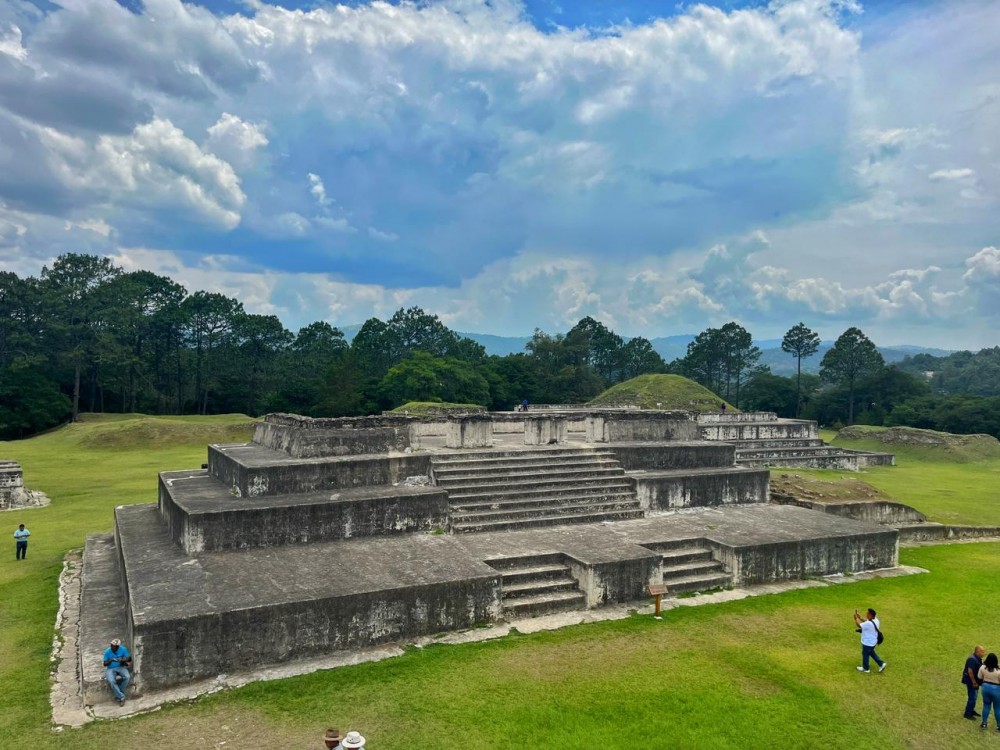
(868, 652)
(22, 550)
(970, 704)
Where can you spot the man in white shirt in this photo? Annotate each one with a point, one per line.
(869, 629)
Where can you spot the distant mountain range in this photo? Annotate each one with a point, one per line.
(673, 347)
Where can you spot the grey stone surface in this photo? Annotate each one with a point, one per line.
(693, 488)
(195, 617)
(306, 437)
(201, 514)
(102, 612)
(251, 470)
(677, 454)
(627, 426)
(883, 512)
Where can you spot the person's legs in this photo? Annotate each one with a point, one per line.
(126, 678)
(22, 550)
(110, 677)
(866, 652)
(970, 703)
(876, 657)
(987, 703)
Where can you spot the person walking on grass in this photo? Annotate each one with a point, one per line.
(870, 637)
(21, 535)
(970, 678)
(989, 678)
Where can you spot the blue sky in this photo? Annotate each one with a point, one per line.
(661, 166)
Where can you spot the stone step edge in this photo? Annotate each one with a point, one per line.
(538, 570)
(560, 596)
(524, 513)
(527, 493)
(516, 590)
(680, 569)
(477, 468)
(624, 515)
(545, 499)
(527, 477)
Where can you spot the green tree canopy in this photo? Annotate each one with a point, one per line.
(852, 357)
(800, 342)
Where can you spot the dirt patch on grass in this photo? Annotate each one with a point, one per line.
(846, 489)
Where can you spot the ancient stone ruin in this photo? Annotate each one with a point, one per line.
(324, 535)
(13, 493)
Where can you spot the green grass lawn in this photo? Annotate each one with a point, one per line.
(775, 671)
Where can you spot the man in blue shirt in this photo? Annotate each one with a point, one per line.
(21, 537)
(970, 678)
(116, 661)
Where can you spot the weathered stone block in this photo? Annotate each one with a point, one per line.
(701, 488)
(612, 427)
(544, 430)
(469, 432)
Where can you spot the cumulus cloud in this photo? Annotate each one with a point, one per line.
(234, 140)
(535, 175)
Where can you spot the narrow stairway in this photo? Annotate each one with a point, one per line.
(688, 566)
(519, 489)
(533, 585)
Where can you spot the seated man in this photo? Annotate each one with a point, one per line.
(117, 660)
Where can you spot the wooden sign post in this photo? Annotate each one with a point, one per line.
(657, 590)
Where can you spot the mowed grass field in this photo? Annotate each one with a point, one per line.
(774, 671)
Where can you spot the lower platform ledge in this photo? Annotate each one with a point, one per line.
(70, 710)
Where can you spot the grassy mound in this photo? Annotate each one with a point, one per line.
(118, 431)
(661, 392)
(927, 445)
(435, 408)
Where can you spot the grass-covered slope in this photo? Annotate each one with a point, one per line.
(660, 392)
(949, 478)
(914, 443)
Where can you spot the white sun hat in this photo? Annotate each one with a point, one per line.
(353, 740)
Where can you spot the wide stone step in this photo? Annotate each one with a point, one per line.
(502, 454)
(686, 569)
(512, 489)
(516, 563)
(548, 572)
(534, 477)
(676, 545)
(563, 497)
(778, 443)
(480, 468)
(541, 604)
(536, 588)
(683, 555)
(702, 582)
(543, 511)
(556, 520)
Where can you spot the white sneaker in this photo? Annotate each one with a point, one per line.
(862, 669)
(884, 665)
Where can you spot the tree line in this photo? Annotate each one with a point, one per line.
(86, 335)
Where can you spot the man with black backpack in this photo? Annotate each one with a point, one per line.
(871, 636)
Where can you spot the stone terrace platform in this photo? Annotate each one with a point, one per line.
(195, 617)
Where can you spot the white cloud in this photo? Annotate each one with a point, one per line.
(234, 140)
(10, 43)
(381, 236)
(318, 190)
(951, 174)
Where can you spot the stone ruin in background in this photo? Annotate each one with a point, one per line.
(12, 491)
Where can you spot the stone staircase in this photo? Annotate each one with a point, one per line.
(688, 566)
(533, 585)
(519, 489)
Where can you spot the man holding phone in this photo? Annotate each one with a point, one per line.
(117, 660)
